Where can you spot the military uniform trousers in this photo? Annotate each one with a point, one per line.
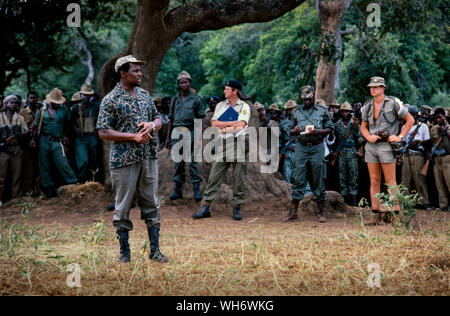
(348, 171)
(53, 150)
(308, 164)
(140, 180)
(411, 167)
(179, 172)
(31, 177)
(11, 160)
(287, 165)
(86, 156)
(441, 170)
(217, 175)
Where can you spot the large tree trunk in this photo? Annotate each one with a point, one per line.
(156, 28)
(330, 19)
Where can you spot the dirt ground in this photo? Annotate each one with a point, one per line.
(212, 238)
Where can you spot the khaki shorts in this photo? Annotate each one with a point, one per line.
(379, 153)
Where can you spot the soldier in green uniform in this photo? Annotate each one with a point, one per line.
(52, 122)
(184, 109)
(83, 117)
(347, 137)
(287, 144)
(231, 118)
(309, 152)
(380, 126)
(31, 178)
(262, 118)
(11, 123)
(128, 118)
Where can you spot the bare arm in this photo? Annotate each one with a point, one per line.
(115, 136)
(366, 134)
(405, 130)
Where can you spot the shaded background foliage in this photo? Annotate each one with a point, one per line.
(273, 59)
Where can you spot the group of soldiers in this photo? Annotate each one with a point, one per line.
(322, 146)
(344, 165)
(49, 143)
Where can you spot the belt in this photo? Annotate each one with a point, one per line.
(414, 153)
(309, 144)
(52, 138)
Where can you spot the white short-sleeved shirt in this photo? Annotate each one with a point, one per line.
(241, 107)
(423, 134)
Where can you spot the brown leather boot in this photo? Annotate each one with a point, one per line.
(375, 219)
(321, 206)
(292, 212)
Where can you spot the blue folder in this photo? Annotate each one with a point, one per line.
(229, 115)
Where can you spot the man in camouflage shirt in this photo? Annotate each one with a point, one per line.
(128, 118)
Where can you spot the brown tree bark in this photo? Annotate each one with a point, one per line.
(330, 19)
(156, 28)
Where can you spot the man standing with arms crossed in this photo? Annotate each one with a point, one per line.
(380, 125)
(230, 117)
(128, 118)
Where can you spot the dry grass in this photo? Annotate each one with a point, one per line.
(209, 258)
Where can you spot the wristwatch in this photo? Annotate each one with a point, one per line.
(401, 136)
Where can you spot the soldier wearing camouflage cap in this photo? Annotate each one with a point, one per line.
(263, 120)
(309, 152)
(380, 124)
(128, 118)
(287, 143)
(185, 107)
(347, 138)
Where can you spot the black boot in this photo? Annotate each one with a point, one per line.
(353, 200)
(125, 255)
(197, 194)
(178, 193)
(237, 214)
(292, 212)
(204, 212)
(47, 192)
(155, 254)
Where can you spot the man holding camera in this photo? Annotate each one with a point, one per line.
(380, 125)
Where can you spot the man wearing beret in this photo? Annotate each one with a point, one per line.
(380, 125)
(185, 107)
(128, 118)
(11, 123)
(52, 125)
(309, 152)
(231, 118)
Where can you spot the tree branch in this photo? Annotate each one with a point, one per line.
(211, 15)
